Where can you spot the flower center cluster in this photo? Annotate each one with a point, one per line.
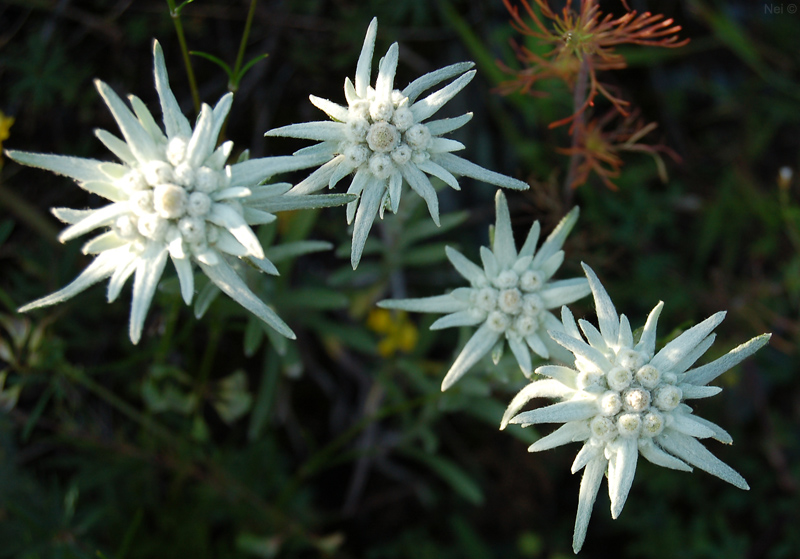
(170, 200)
(634, 398)
(383, 135)
(511, 302)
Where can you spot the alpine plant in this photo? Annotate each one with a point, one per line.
(622, 400)
(384, 138)
(172, 197)
(509, 297)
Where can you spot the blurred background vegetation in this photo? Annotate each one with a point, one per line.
(212, 438)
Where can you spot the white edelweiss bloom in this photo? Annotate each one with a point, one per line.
(172, 196)
(384, 136)
(501, 300)
(622, 399)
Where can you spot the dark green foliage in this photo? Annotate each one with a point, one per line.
(216, 438)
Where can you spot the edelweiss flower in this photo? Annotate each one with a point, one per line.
(382, 137)
(172, 196)
(622, 401)
(509, 297)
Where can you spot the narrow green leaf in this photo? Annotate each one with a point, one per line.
(218, 61)
(249, 65)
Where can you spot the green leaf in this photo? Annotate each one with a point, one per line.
(247, 67)
(233, 397)
(285, 251)
(218, 61)
(205, 298)
(253, 335)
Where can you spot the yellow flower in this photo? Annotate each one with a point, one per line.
(5, 124)
(400, 334)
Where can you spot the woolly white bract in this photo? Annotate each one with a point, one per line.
(172, 197)
(383, 138)
(509, 297)
(621, 400)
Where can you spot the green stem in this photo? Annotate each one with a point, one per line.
(233, 85)
(233, 82)
(175, 14)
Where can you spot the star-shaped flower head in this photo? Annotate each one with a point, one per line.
(172, 196)
(382, 136)
(622, 399)
(509, 297)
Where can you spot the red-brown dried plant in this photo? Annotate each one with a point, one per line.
(583, 43)
(598, 150)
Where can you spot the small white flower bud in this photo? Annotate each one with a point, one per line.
(629, 424)
(636, 399)
(158, 172)
(170, 200)
(152, 226)
(506, 279)
(510, 301)
(176, 150)
(382, 137)
(381, 166)
(126, 227)
(667, 397)
(525, 325)
(381, 110)
(619, 378)
(532, 305)
(486, 299)
(609, 403)
(357, 128)
(141, 202)
(420, 156)
(401, 154)
(359, 109)
(498, 321)
(653, 423)
(207, 180)
(199, 204)
(356, 155)
(648, 376)
(403, 119)
(418, 136)
(588, 379)
(193, 229)
(531, 280)
(184, 175)
(603, 428)
(133, 180)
